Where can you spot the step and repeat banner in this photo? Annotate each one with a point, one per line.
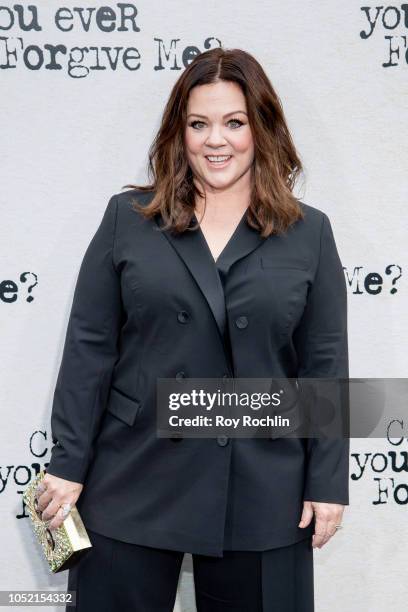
(82, 89)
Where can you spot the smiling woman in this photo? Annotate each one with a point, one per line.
(220, 152)
(223, 131)
(216, 271)
(219, 141)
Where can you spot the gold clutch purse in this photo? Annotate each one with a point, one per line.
(63, 546)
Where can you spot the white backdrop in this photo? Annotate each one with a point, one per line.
(72, 135)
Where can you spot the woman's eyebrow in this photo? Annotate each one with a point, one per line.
(227, 115)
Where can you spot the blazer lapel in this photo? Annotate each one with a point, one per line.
(194, 252)
(243, 241)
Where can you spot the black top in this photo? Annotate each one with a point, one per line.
(227, 342)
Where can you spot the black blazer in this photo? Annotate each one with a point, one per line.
(149, 304)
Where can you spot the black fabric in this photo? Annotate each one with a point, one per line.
(116, 575)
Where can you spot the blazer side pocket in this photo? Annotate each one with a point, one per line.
(296, 423)
(123, 407)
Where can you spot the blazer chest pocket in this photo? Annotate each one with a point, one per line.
(282, 290)
(124, 408)
(271, 262)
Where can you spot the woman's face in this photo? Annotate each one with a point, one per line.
(217, 126)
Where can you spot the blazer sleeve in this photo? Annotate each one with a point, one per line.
(89, 354)
(321, 344)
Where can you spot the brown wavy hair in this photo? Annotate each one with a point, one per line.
(273, 207)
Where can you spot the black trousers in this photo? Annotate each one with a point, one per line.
(115, 575)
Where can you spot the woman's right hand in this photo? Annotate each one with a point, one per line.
(52, 493)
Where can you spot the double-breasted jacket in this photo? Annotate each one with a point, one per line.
(149, 304)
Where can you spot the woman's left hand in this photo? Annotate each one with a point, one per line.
(327, 517)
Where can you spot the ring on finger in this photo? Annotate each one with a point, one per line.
(66, 509)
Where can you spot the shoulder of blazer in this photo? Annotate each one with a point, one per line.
(316, 221)
(125, 199)
(312, 214)
(127, 215)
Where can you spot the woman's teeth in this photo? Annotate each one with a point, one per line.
(218, 159)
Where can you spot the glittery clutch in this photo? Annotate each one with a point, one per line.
(63, 546)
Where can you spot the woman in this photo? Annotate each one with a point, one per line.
(256, 289)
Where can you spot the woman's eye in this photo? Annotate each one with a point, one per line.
(236, 121)
(194, 124)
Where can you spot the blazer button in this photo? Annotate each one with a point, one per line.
(222, 440)
(241, 322)
(180, 375)
(183, 316)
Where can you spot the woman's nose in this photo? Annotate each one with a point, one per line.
(215, 137)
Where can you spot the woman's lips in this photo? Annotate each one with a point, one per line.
(219, 164)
